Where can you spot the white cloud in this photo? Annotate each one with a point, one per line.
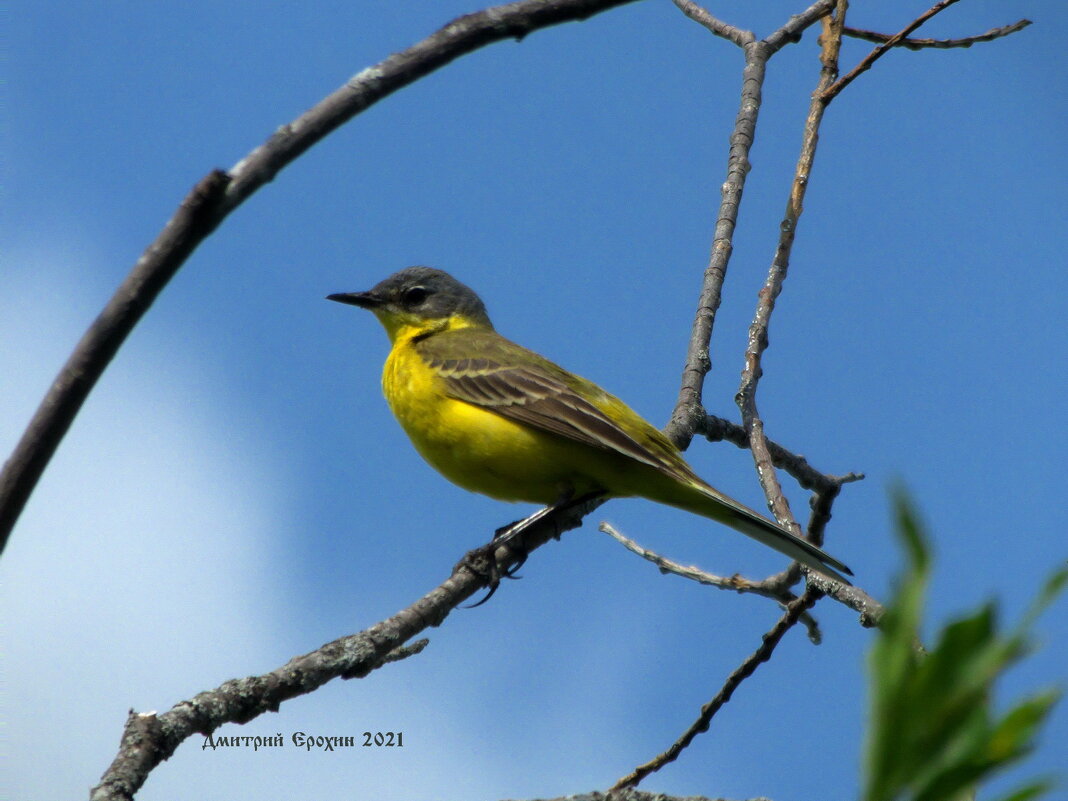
(140, 571)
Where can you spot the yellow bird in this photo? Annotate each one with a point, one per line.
(496, 418)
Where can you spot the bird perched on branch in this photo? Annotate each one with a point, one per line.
(496, 418)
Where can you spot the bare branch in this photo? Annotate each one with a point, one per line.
(149, 739)
(850, 595)
(937, 44)
(460, 37)
(792, 30)
(220, 193)
(716, 429)
(820, 503)
(741, 673)
(688, 409)
(703, 16)
(688, 417)
(758, 330)
(831, 92)
(736, 583)
(405, 651)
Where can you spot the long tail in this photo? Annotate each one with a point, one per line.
(711, 503)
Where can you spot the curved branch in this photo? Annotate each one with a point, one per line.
(777, 591)
(219, 193)
(197, 216)
(937, 44)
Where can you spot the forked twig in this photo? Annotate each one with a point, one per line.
(688, 409)
(865, 64)
(689, 415)
(702, 16)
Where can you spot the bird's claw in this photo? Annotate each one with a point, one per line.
(482, 561)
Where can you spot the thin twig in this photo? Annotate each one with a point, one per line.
(405, 651)
(736, 583)
(796, 25)
(937, 44)
(220, 193)
(149, 739)
(741, 673)
(702, 16)
(758, 330)
(852, 596)
(820, 503)
(688, 406)
(716, 429)
(832, 91)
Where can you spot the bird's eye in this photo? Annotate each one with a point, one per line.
(415, 295)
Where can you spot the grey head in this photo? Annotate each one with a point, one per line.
(420, 292)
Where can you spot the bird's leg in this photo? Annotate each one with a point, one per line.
(508, 535)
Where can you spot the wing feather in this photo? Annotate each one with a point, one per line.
(532, 395)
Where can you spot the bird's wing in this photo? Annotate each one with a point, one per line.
(539, 394)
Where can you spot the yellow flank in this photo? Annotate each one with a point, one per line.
(498, 419)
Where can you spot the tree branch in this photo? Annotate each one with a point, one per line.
(196, 217)
(797, 24)
(689, 416)
(220, 193)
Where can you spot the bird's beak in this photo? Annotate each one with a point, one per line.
(365, 300)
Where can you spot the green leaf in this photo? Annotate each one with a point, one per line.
(1016, 731)
(1034, 789)
(933, 734)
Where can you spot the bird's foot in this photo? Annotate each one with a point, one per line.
(482, 561)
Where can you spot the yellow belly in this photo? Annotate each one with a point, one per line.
(482, 451)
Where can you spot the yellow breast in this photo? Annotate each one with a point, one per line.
(476, 448)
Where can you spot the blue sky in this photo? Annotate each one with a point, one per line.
(235, 491)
